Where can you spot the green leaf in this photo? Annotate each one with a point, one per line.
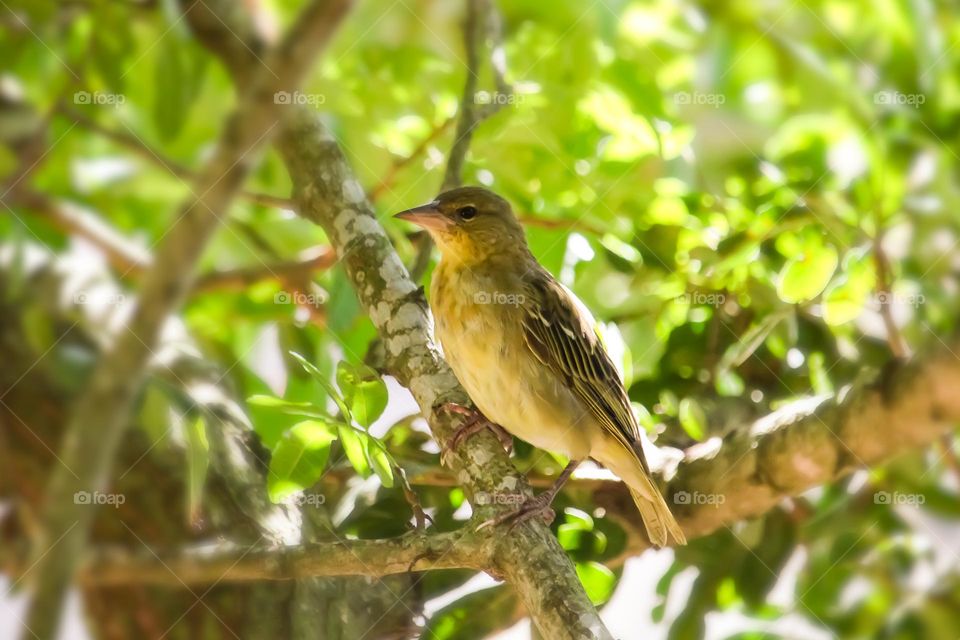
(579, 519)
(621, 249)
(644, 417)
(112, 44)
(310, 368)
(737, 353)
(198, 461)
(38, 329)
(353, 446)
(847, 295)
(598, 581)
(300, 458)
(572, 537)
(477, 615)
(805, 277)
(380, 461)
(363, 390)
(342, 308)
(819, 374)
(728, 383)
(843, 303)
(176, 83)
(286, 406)
(693, 419)
(154, 415)
(669, 402)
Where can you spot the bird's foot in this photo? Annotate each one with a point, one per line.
(536, 507)
(475, 423)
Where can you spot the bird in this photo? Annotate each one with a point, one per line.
(527, 351)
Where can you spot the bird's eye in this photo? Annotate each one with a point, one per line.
(467, 213)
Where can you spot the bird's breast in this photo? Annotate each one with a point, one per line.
(479, 326)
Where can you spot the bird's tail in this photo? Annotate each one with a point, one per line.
(660, 523)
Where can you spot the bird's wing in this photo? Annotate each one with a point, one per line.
(562, 335)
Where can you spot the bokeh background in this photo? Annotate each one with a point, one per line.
(758, 200)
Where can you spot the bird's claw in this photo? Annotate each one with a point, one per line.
(475, 423)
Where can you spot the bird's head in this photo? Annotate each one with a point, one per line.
(470, 225)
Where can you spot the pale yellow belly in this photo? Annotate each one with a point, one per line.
(512, 388)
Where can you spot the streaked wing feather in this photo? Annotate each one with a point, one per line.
(562, 337)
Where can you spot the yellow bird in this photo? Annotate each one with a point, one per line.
(527, 351)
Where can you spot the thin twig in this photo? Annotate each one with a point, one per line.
(130, 259)
(565, 225)
(391, 175)
(123, 255)
(138, 146)
(242, 277)
(419, 515)
(898, 346)
(482, 22)
(235, 563)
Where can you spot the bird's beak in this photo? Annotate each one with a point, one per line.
(427, 216)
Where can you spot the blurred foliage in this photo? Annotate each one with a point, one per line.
(740, 191)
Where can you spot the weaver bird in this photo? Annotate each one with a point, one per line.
(527, 352)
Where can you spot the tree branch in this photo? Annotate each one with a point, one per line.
(286, 271)
(93, 435)
(817, 440)
(482, 21)
(391, 175)
(329, 194)
(807, 444)
(123, 255)
(137, 145)
(232, 563)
